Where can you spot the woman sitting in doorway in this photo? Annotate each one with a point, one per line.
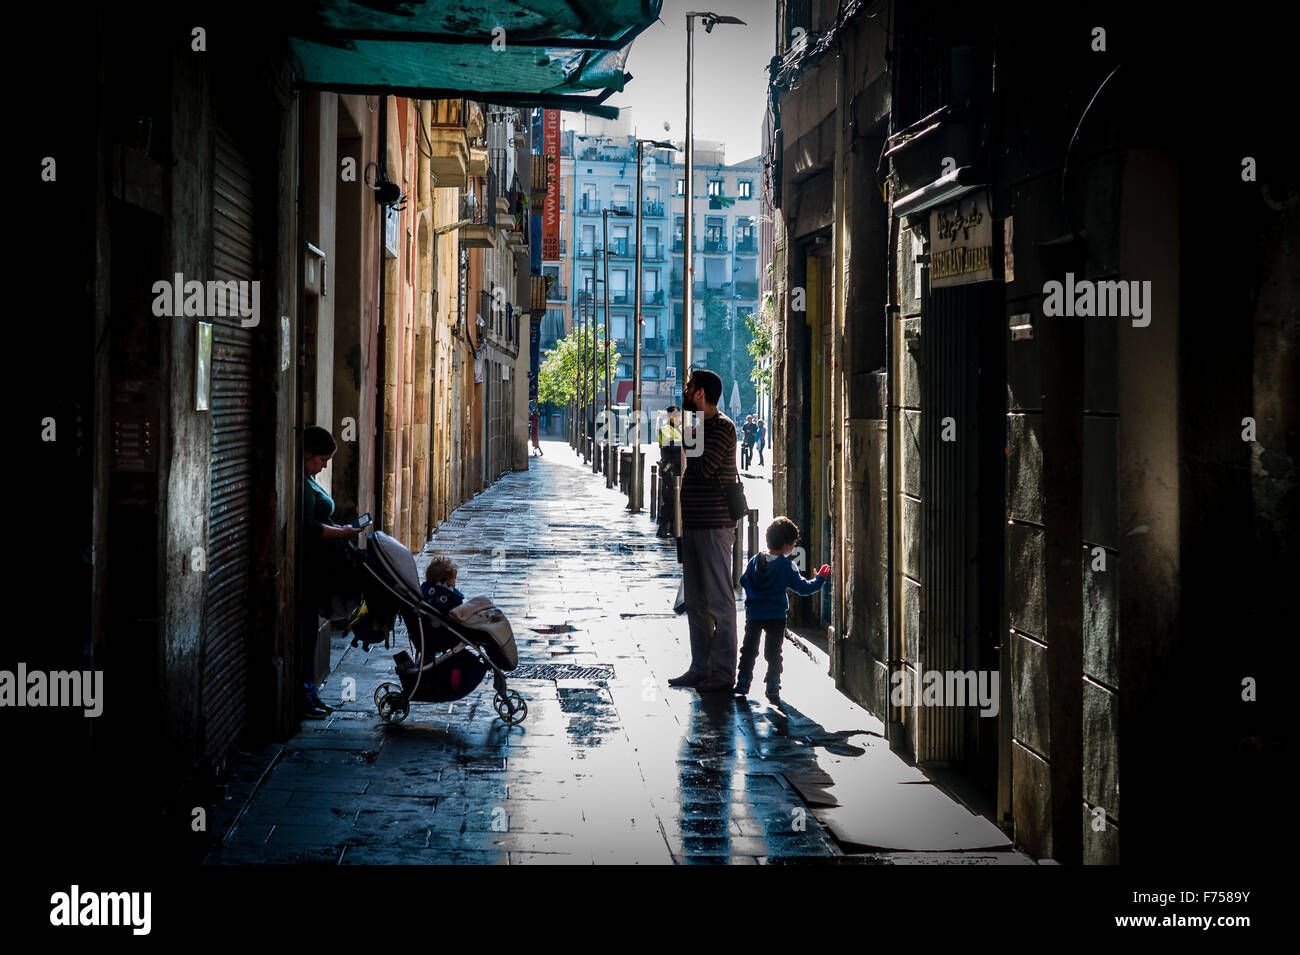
(330, 563)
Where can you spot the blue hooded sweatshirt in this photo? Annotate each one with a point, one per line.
(766, 580)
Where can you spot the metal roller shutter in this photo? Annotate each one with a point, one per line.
(225, 667)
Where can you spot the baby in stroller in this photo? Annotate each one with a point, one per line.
(439, 586)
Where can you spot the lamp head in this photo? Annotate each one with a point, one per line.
(711, 19)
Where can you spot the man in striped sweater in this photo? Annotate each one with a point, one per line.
(707, 535)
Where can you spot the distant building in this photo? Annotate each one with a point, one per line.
(599, 174)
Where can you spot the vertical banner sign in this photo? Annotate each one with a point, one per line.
(534, 344)
(551, 207)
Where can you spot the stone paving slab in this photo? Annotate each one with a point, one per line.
(615, 770)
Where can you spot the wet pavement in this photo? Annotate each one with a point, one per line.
(611, 765)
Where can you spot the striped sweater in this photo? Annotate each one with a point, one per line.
(703, 503)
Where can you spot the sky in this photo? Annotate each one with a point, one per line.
(730, 76)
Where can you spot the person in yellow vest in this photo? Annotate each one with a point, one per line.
(670, 465)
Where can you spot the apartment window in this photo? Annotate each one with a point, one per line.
(650, 325)
(624, 370)
(650, 371)
(652, 193)
(715, 187)
(622, 197)
(681, 187)
(651, 240)
(617, 283)
(587, 285)
(651, 283)
(618, 327)
(745, 188)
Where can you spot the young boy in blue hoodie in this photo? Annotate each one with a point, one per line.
(766, 580)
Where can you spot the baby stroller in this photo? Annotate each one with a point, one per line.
(453, 652)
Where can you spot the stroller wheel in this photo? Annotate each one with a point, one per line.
(511, 707)
(390, 703)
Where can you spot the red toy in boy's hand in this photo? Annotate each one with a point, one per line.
(825, 571)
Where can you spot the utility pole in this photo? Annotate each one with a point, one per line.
(636, 337)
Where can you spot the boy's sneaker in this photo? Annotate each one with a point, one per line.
(741, 688)
(773, 693)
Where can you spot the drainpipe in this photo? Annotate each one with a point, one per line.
(382, 346)
(835, 463)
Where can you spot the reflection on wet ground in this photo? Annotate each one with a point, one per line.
(610, 765)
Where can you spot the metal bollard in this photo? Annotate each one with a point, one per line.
(676, 498)
(654, 492)
(753, 532)
(737, 558)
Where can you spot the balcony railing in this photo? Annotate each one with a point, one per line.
(588, 206)
(620, 298)
(716, 244)
(654, 346)
(677, 286)
(621, 205)
(588, 251)
(622, 248)
(538, 296)
(539, 183)
(557, 293)
(652, 253)
(652, 208)
(748, 246)
(449, 113)
(746, 290)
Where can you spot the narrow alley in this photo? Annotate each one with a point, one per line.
(610, 765)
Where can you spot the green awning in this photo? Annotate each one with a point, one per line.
(561, 54)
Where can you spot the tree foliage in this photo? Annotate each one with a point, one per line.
(760, 346)
(557, 378)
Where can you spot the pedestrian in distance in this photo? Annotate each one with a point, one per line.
(707, 534)
(671, 461)
(535, 426)
(761, 439)
(749, 429)
(765, 581)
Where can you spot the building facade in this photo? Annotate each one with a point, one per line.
(239, 292)
(1006, 485)
(599, 182)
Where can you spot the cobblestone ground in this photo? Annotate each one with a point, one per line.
(611, 765)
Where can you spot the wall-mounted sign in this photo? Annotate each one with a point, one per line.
(961, 242)
(392, 233)
(1008, 250)
(202, 365)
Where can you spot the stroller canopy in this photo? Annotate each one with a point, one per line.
(397, 562)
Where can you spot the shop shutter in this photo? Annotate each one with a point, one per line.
(230, 550)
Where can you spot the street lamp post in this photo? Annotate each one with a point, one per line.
(710, 20)
(635, 504)
(604, 215)
(577, 381)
